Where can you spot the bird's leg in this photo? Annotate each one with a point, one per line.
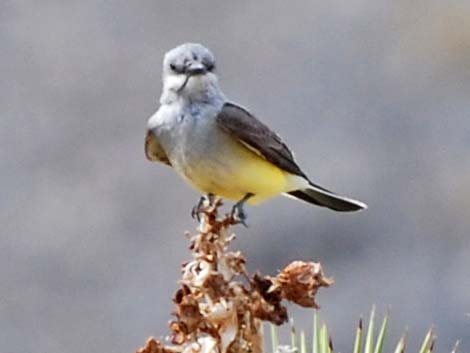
(197, 208)
(196, 211)
(210, 198)
(238, 213)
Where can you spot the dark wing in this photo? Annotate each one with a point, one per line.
(153, 150)
(256, 136)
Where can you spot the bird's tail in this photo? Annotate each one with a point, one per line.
(319, 196)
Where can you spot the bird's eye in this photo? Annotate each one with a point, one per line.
(210, 67)
(173, 67)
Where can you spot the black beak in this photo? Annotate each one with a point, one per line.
(195, 68)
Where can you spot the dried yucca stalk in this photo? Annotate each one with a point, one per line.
(220, 307)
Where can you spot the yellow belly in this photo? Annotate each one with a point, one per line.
(240, 172)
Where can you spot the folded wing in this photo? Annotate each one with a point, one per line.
(154, 150)
(257, 137)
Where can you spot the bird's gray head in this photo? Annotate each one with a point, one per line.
(189, 72)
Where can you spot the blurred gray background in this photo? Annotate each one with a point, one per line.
(374, 97)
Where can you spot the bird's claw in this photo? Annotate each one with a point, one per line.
(238, 214)
(199, 207)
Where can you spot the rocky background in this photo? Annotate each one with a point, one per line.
(374, 97)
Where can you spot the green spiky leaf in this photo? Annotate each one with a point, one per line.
(381, 338)
(274, 338)
(401, 345)
(368, 348)
(426, 342)
(303, 342)
(358, 340)
(316, 334)
(293, 339)
(322, 341)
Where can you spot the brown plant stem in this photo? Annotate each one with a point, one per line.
(220, 307)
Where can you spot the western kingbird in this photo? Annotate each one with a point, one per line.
(219, 147)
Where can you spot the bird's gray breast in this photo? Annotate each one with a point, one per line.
(191, 137)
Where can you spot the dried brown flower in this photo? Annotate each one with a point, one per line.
(266, 303)
(299, 282)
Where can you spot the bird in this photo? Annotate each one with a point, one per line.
(220, 147)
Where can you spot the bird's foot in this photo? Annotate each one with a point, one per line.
(199, 207)
(238, 213)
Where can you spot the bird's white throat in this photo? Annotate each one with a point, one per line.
(198, 88)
